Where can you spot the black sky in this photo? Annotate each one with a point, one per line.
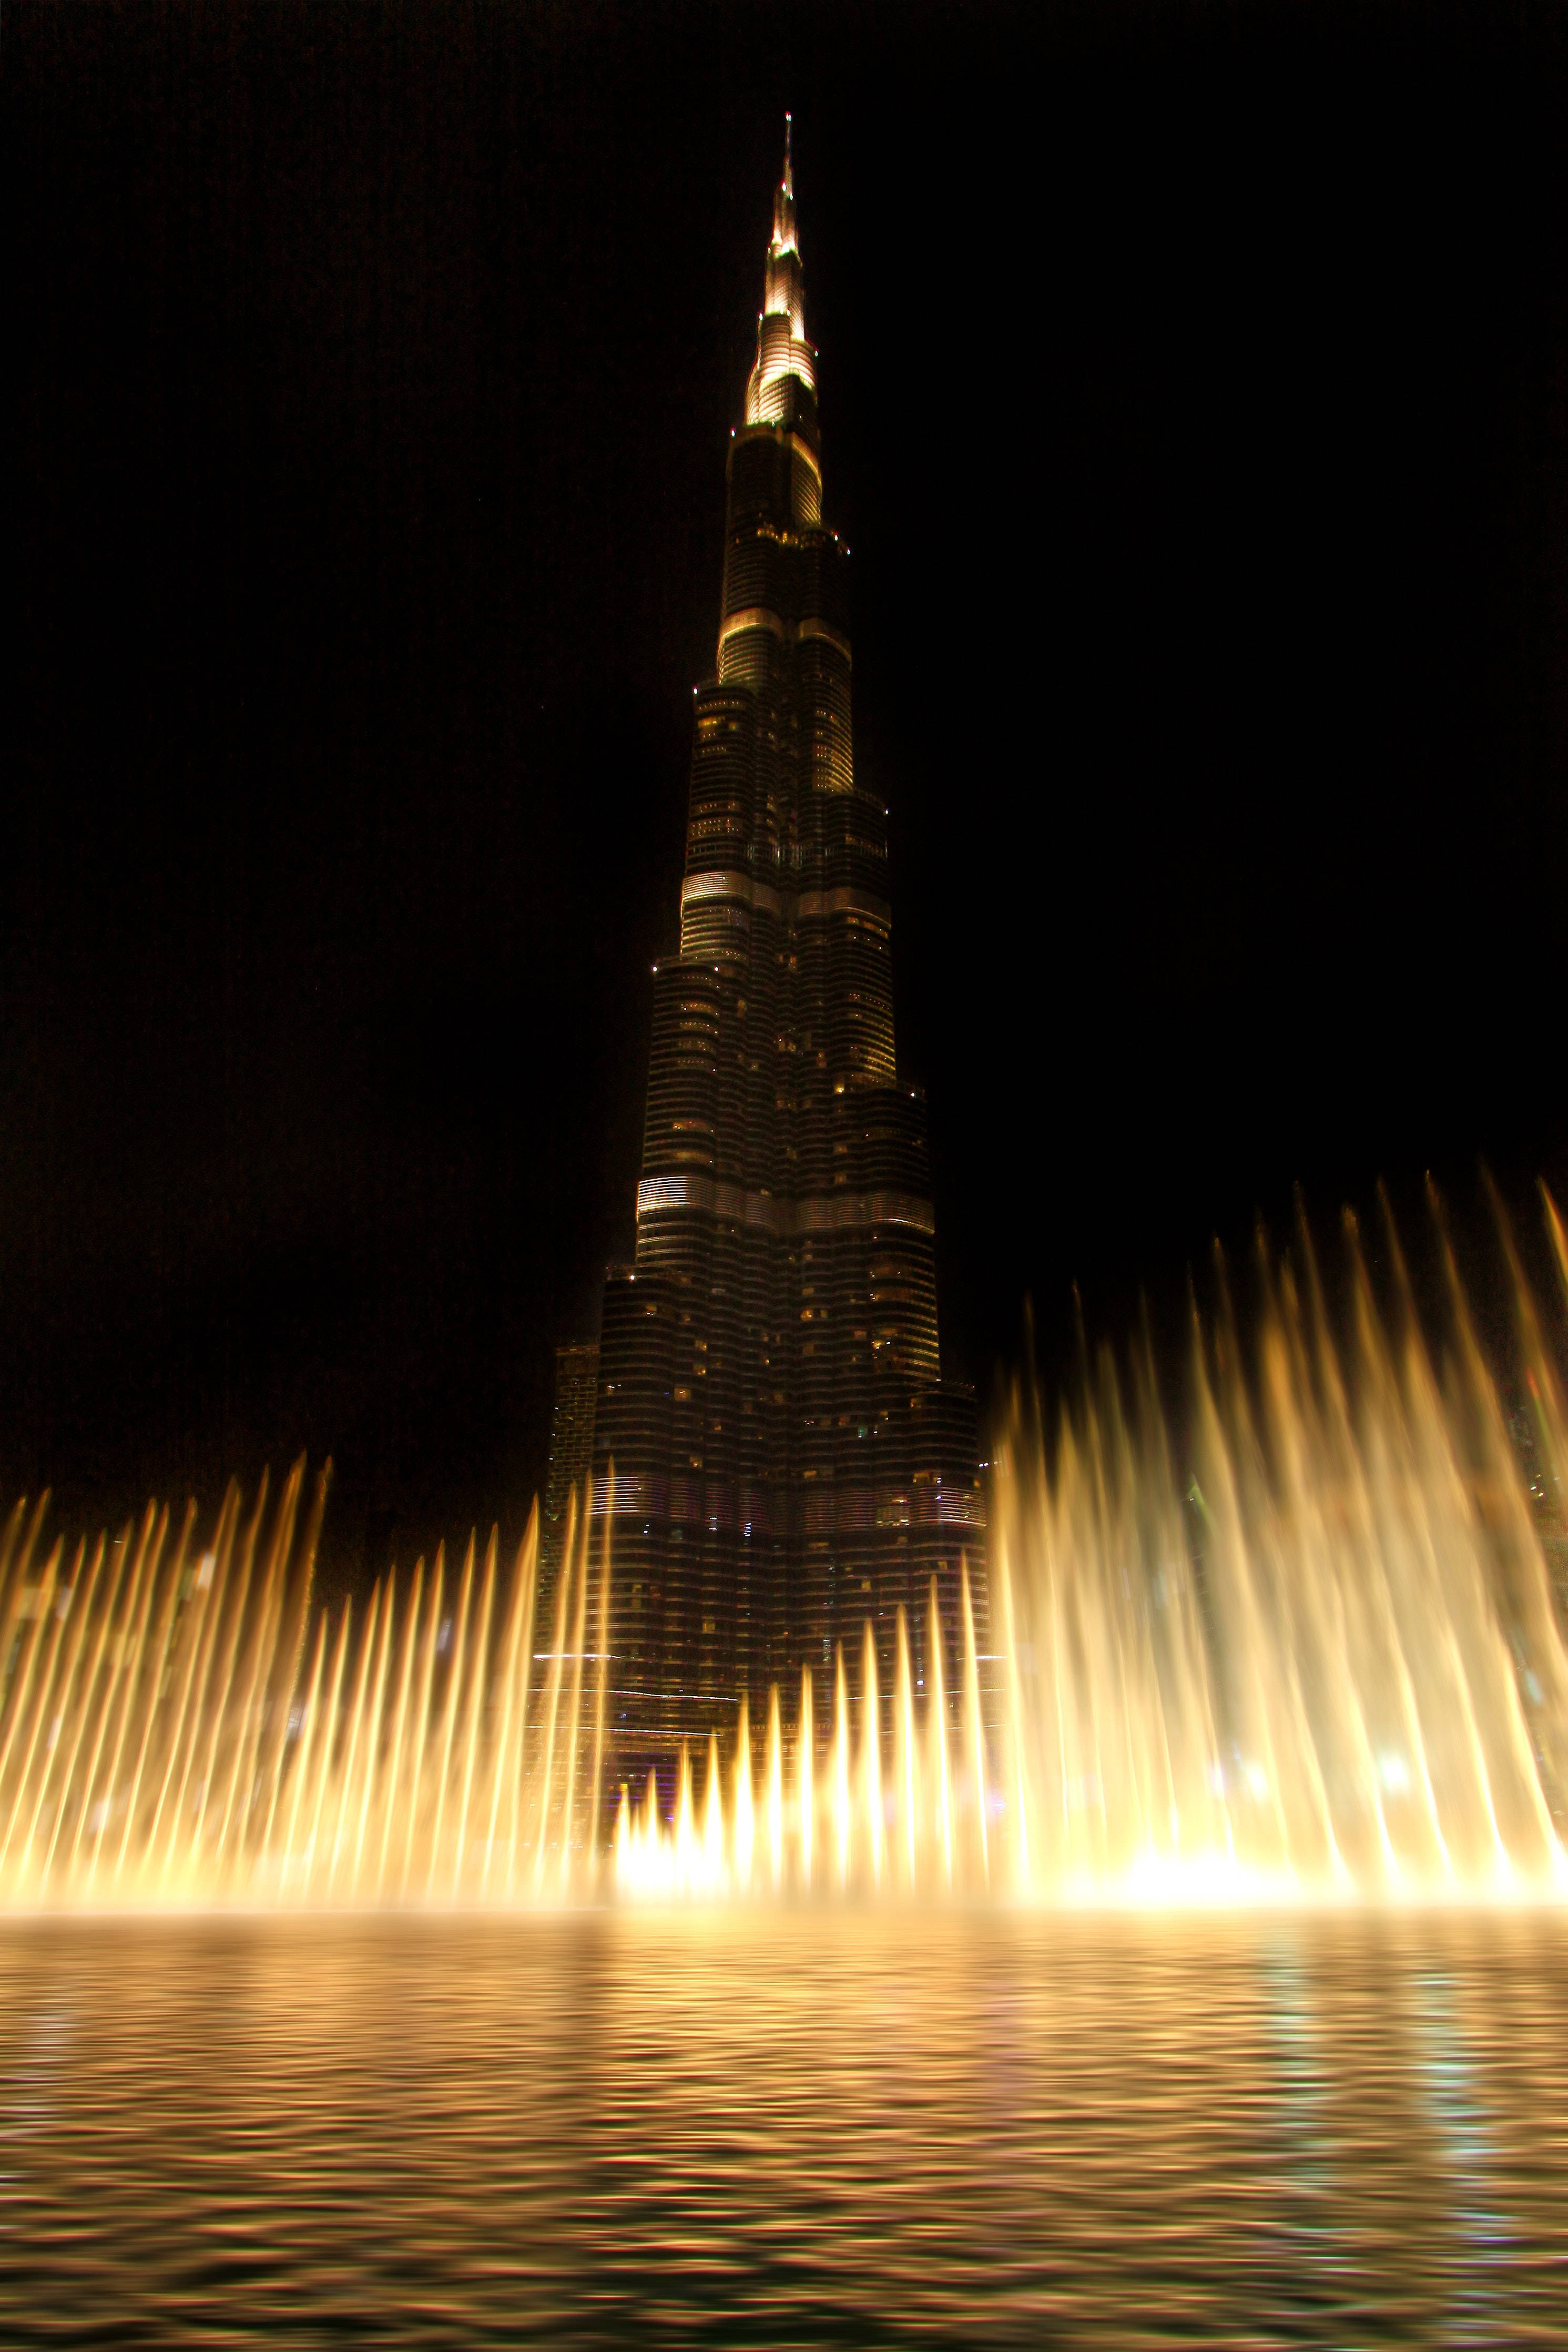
(1195, 388)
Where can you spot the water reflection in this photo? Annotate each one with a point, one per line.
(862, 2128)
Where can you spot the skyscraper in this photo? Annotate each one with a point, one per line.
(787, 1459)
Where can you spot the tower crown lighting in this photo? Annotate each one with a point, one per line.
(782, 389)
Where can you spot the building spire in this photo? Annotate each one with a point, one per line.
(786, 362)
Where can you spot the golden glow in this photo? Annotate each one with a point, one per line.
(1323, 1661)
(758, 616)
(178, 1731)
(775, 1793)
(905, 1751)
(817, 1213)
(783, 355)
(841, 1815)
(871, 1754)
(847, 1810)
(805, 1780)
(745, 1824)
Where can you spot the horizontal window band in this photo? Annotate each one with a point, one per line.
(790, 440)
(757, 1513)
(804, 449)
(737, 886)
(842, 902)
(758, 616)
(819, 1213)
(794, 908)
(814, 627)
(754, 617)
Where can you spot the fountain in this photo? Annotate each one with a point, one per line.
(1324, 1658)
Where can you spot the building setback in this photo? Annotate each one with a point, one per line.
(787, 1460)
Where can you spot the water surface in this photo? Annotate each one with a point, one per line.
(956, 2128)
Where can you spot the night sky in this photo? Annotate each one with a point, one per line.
(1195, 400)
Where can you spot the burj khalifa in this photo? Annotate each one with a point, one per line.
(787, 1460)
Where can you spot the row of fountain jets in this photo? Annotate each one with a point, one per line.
(1325, 1656)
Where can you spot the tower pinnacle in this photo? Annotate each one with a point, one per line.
(785, 370)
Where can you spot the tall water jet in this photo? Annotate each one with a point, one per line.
(745, 1825)
(906, 1752)
(870, 1753)
(775, 1768)
(805, 1777)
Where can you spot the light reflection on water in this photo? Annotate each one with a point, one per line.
(960, 2128)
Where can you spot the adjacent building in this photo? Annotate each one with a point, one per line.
(788, 1461)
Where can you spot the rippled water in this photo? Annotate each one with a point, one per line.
(965, 2128)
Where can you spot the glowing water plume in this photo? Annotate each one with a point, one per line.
(775, 1793)
(870, 1790)
(1325, 1655)
(841, 1816)
(805, 1780)
(176, 1729)
(745, 1823)
(854, 1812)
(904, 1750)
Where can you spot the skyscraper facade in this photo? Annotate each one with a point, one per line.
(788, 1461)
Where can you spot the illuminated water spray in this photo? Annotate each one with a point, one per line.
(184, 1727)
(1325, 1656)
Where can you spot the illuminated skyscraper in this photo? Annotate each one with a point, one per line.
(787, 1459)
